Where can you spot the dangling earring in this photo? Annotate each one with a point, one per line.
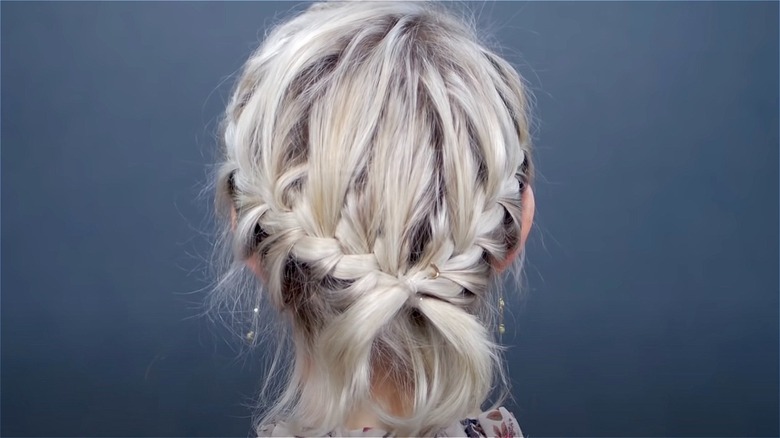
(501, 327)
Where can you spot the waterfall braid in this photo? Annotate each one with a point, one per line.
(375, 155)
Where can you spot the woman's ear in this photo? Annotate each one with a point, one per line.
(252, 262)
(526, 221)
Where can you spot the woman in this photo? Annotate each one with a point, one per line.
(376, 178)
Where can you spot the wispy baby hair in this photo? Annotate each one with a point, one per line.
(374, 156)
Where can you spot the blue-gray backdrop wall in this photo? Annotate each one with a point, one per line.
(653, 267)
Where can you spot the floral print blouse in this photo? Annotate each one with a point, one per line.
(498, 423)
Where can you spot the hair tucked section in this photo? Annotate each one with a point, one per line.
(375, 155)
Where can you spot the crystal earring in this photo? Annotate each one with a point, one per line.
(501, 327)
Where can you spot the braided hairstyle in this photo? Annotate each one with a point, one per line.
(374, 159)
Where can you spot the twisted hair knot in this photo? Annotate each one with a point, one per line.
(325, 257)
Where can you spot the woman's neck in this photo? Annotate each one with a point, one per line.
(387, 395)
(364, 417)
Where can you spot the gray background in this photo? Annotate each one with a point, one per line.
(653, 267)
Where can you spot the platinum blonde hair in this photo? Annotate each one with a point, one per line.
(374, 155)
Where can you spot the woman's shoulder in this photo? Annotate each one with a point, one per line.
(497, 422)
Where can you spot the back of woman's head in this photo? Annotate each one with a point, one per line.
(374, 160)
